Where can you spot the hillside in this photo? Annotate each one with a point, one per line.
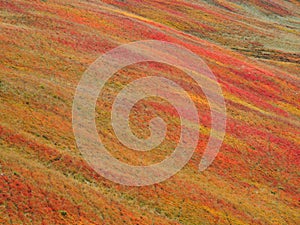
(252, 47)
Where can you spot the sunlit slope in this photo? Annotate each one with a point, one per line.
(251, 48)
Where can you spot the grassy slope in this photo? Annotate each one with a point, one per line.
(251, 48)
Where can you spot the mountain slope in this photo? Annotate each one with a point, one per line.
(252, 48)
